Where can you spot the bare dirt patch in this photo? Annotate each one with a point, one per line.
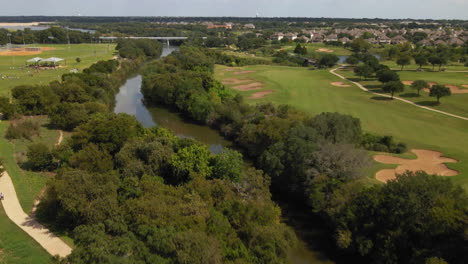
(249, 87)
(24, 51)
(243, 72)
(456, 90)
(260, 94)
(465, 86)
(453, 88)
(230, 69)
(340, 84)
(407, 82)
(325, 50)
(429, 161)
(234, 81)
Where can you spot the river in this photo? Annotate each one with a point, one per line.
(130, 100)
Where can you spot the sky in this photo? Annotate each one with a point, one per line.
(426, 9)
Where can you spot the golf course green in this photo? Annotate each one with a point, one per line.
(312, 91)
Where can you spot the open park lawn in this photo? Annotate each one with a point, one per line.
(16, 247)
(13, 70)
(312, 91)
(321, 48)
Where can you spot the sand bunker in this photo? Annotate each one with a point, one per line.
(340, 84)
(325, 50)
(453, 88)
(234, 81)
(407, 82)
(24, 51)
(260, 94)
(429, 161)
(456, 90)
(243, 72)
(249, 87)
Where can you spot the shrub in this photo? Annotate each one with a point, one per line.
(39, 157)
(23, 130)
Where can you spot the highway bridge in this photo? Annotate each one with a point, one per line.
(154, 38)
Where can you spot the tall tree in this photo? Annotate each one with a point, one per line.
(420, 60)
(364, 71)
(419, 85)
(403, 61)
(439, 91)
(393, 87)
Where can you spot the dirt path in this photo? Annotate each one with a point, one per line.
(60, 139)
(50, 242)
(395, 97)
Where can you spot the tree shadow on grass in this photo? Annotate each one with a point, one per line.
(381, 98)
(353, 79)
(409, 95)
(428, 103)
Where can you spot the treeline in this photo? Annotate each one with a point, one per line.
(319, 161)
(53, 35)
(146, 196)
(132, 49)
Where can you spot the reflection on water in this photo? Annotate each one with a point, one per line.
(129, 100)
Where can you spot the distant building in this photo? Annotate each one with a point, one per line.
(219, 26)
(249, 26)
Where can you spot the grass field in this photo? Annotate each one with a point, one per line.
(16, 247)
(312, 92)
(10, 65)
(313, 47)
(28, 184)
(455, 104)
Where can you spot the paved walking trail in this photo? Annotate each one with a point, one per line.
(50, 242)
(395, 97)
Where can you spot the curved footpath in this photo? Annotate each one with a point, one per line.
(395, 97)
(50, 242)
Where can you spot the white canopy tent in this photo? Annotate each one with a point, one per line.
(37, 59)
(52, 59)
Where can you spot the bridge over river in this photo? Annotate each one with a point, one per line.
(167, 39)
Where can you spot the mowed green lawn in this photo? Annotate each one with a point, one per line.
(28, 184)
(312, 92)
(314, 47)
(16, 247)
(10, 66)
(455, 104)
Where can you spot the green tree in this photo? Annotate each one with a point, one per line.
(420, 60)
(364, 70)
(393, 87)
(419, 85)
(39, 157)
(352, 60)
(360, 45)
(228, 165)
(439, 91)
(415, 205)
(403, 61)
(190, 162)
(78, 60)
(387, 75)
(328, 60)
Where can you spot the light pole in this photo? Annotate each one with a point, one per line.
(10, 46)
